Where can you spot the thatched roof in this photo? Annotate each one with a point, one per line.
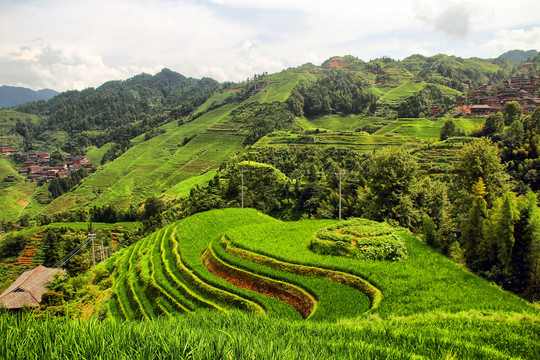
(28, 288)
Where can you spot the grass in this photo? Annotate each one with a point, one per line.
(95, 154)
(424, 282)
(334, 122)
(236, 335)
(403, 91)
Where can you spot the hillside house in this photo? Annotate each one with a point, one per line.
(481, 91)
(490, 101)
(43, 161)
(519, 80)
(28, 163)
(435, 111)
(62, 174)
(27, 290)
(480, 110)
(33, 169)
(43, 155)
(79, 159)
(6, 149)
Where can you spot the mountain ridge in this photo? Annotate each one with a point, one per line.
(16, 95)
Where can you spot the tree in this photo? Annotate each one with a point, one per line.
(430, 233)
(504, 230)
(153, 206)
(512, 112)
(494, 124)
(526, 249)
(448, 129)
(472, 238)
(51, 251)
(390, 179)
(77, 265)
(11, 245)
(480, 159)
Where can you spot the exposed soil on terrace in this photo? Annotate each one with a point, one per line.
(365, 287)
(300, 300)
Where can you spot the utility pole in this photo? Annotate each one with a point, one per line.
(92, 237)
(102, 250)
(242, 173)
(340, 174)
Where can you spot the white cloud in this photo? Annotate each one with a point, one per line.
(82, 43)
(45, 66)
(514, 39)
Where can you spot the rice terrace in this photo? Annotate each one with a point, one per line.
(255, 208)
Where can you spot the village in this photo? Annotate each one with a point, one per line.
(488, 99)
(37, 166)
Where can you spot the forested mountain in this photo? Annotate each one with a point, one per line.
(119, 110)
(519, 55)
(13, 95)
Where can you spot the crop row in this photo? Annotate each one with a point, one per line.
(301, 300)
(335, 300)
(374, 294)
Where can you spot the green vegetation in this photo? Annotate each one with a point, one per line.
(165, 273)
(360, 238)
(211, 335)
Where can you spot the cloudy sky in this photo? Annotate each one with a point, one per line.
(73, 44)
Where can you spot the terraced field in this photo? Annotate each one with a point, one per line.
(159, 165)
(240, 259)
(14, 195)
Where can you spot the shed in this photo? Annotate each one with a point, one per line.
(28, 288)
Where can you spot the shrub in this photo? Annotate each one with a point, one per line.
(360, 238)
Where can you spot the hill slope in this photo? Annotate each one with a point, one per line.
(165, 273)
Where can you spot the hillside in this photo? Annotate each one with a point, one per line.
(519, 55)
(143, 150)
(13, 95)
(152, 277)
(254, 263)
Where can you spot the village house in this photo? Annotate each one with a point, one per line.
(28, 289)
(80, 159)
(33, 169)
(6, 149)
(480, 110)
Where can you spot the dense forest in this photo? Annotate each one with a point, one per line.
(117, 110)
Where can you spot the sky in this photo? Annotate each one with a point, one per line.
(75, 44)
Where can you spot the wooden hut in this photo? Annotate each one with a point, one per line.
(26, 291)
